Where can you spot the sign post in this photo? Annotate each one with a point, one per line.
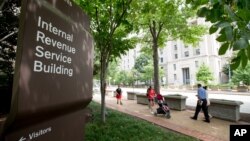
(53, 73)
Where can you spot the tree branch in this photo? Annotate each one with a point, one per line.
(2, 4)
(160, 28)
(7, 44)
(7, 36)
(152, 29)
(119, 19)
(97, 19)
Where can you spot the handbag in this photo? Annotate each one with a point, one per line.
(208, 102)
(200, 102)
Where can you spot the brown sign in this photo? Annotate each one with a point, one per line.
(69, 127)
(53, 70)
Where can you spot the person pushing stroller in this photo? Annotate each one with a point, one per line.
(163, 107)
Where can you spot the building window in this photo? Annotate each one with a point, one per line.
(175, 47)
(161, 59)
(175, 77)
(161, 51)
(196, 64)
(186, 53)
(174, 66)
(197, 51)
(176, 56)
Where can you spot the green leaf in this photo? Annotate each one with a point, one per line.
(221, 38)
(248, 52)
(229, 33)
(235, 63)
(214, 1)
(203, 11)
(244, 59)
(216, 13)
(222, 24)
(188, 1)
(230, 12)
(243, 4)
(223, 48)
(213, 29)
(240, 44)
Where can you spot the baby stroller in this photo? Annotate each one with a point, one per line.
(163, 107)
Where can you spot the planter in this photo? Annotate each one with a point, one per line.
(225, 109)
(190, 87)
(176, 102)
(131, 95)
(110, 93)
(225, 88)
(213, 88)
(242, 89)
(171, 87)
(141, 98)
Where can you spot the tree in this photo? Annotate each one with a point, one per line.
(125, 77)
(148, 73)
(226, 69)
(229, 18)
(162, 20)
(242, 75)
(204, 74)
(141, 61)
(9, 12)
(113, 70)
(110, 28)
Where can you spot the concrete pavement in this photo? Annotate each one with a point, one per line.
(216, 130)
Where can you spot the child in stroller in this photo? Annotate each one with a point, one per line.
(163, 107)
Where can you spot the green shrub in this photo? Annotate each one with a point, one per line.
(123, 127)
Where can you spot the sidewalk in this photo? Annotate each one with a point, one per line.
(216, 130)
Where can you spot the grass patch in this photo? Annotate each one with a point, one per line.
(122, 127)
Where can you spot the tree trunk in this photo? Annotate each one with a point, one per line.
(156, 66)
(103, 76)
(155, 37)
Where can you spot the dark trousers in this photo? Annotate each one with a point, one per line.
(204, 109)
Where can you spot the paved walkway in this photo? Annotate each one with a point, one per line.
(216, 130)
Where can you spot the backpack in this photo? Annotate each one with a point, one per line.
(119, 90)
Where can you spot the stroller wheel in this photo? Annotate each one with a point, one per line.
(167, 115)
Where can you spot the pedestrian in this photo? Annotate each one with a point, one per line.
(208, 101)
(151, 95)
(119, 95)
(160, 98)
(201, 104)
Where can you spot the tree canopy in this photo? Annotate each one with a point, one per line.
(162, 20)
(242, 75)
(141, 61)
(204, 74)
(231, 20)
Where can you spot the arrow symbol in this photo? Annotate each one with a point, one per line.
(22, 139)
